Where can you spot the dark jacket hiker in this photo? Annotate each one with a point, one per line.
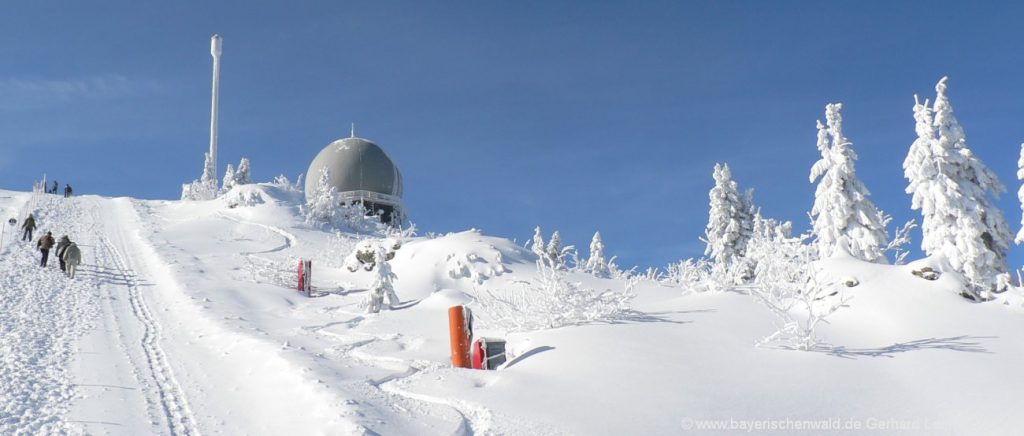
(29, 225)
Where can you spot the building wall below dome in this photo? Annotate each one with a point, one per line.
(388, 214)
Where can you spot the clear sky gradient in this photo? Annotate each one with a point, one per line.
(575, 116)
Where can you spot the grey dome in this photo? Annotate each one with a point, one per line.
(358, 167)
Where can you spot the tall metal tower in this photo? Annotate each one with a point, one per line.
(215, 50)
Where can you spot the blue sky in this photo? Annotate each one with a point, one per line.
(576, 116)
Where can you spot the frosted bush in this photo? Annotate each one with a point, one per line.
(689, 274)
(282, 182)
(552, 301)
(242, 196)
(787, 284)
(374, 255)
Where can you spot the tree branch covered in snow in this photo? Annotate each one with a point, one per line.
(899, 241)
(551, 300)
(789, 286)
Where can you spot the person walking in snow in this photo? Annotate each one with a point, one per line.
(45, 244)
(67, 191)
(55, 185)
(72, 257)
(62, 245)
(29, 225)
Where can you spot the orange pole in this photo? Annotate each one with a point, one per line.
(459, 333)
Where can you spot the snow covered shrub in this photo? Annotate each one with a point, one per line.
(282, 182)
(787, 283)
(689, 274)
(373, 255)
(651, 274)
(726, 276)
(353, 217)
(244, 197)
(552, 301)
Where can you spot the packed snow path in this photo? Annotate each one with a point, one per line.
(51, 314)
(44, 314)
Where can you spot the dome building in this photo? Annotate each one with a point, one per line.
(362, 173)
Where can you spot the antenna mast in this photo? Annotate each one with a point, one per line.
(215, 50)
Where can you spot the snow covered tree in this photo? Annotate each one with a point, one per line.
(952, 188)
(209, 172)
(206, 187)
(229, 178)
(1020, 195)
(842, 212)
(538, 246)
(597, 264)
(730, 221)
(554, 250)
(242, 176)
(322, 206)
(235, 177)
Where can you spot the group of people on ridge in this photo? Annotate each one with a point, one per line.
(67, 189)
(68, 253)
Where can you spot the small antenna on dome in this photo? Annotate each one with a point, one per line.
(353, 130)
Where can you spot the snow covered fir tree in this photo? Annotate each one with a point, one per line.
(953, 190)
(843, 216)
(730, 220)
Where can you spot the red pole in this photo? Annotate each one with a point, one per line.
(302, 277)
(458, 330)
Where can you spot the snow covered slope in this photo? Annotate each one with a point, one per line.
(184, 320)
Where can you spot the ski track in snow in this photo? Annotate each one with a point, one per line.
(289, 239)
(175, 405)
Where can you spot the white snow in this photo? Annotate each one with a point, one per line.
(185, 319)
